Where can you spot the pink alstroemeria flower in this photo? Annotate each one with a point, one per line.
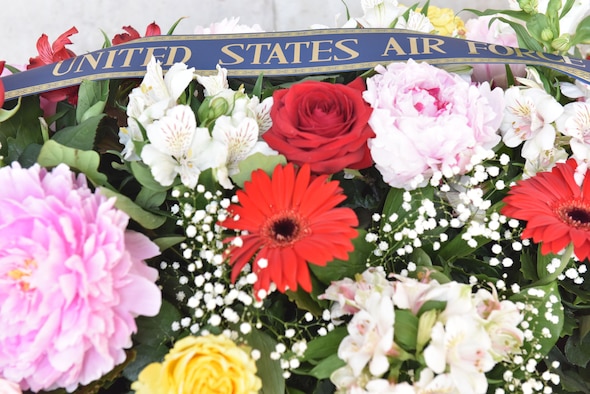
(131, 34)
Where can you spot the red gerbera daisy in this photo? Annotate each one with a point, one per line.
(289, 221)
(556, 209)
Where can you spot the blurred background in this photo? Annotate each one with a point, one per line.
(23, 22)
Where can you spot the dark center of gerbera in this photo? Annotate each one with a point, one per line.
(575, 213)
(284, 228)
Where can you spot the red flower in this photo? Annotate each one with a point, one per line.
(49, 54)
(555, 207)
(1, 84)
(322, 124)
(152, 30)
(290, 220)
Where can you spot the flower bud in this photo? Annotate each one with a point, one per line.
(529, 6)
(425, 324)
(562, 43)
(547, 34)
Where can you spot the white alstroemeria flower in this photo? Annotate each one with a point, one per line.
(128, 136)
(532, 79)
(412, 294)
(528, 118)
(178, 147)
(157, 93)
(544, 161)
(214, 84)
(462, 347)
(429, 383)
(150, 100)
(377, 13)
(370, 339)
(459, 301)
(416, 22)
(575, 121)
(240, 136)
(577, 90)
(262, 113)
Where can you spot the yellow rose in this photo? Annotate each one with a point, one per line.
(203, 364)
(445, 22)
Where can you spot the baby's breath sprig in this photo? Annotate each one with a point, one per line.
(212, 302)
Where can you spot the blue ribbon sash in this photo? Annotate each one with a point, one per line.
(281, 54)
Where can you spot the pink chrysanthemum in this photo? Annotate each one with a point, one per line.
(72, 280)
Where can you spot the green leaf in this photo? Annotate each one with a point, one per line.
(53, 153)
(269, 370)
(168, 242)
(22, 128)
(146, 219)
(405, 329)
(144, 354)
(92, 98)
(525, 40)
(582, 35)
(537, 25)
(150, 199)
(6, 114)
(255, 162)
(545, 315)
(327, 366)
(144, 176)
(157, 329)
(304, 301)
(173, 27)
(81, 136)
(577, 350)
(528, 266)
(324, 346)
(257, 90)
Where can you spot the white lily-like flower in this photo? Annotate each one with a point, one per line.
(157, 93)
(463, 346)
(214, 84)
(544, 161)
(377, 13)
(179, 147)
(128, 136)
(370, 339)
(528, 117)
(240, 136)
(416, 21)
(578, 90)
(262, 113)
(575, 121)
(149, 101)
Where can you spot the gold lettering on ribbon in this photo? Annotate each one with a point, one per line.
(316, 50)
(349, 51)
(171, 59)
(297, 49)
(229, 52)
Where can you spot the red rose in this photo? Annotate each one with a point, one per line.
(322, 124)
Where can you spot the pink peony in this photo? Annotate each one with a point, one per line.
(500, 33)
(428, 121)
(7, 387)
(72, 280)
